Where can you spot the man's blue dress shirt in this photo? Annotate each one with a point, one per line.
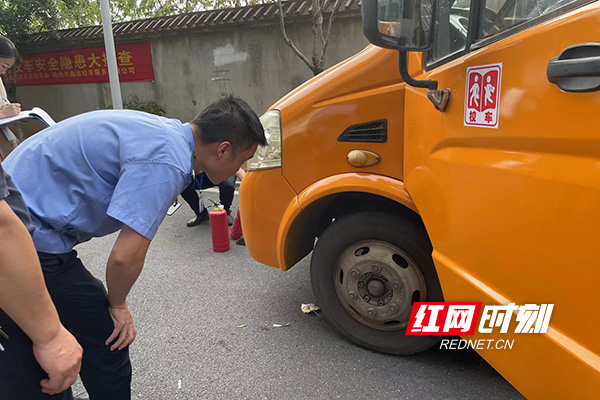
(88, 175)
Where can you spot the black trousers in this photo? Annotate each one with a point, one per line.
(226, 192)
(20, 374)
(82, 304)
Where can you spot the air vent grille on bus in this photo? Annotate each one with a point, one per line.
(369, 132)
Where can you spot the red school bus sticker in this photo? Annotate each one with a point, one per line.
(482, 96)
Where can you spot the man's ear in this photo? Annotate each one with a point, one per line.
(223, 149)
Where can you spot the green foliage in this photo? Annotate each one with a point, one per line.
(77, 13)
(19, 18)
(151, 107)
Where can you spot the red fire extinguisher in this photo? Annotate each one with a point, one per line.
(236, 229)
(219, 229)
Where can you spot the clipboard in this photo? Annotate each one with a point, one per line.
(34, 113)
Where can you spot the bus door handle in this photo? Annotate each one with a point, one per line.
(576, 69)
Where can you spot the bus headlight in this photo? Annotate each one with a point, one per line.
(268, 156)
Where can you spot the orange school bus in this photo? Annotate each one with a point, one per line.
(461, 163)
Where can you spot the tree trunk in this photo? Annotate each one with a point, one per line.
(320, 40)
(317, 30)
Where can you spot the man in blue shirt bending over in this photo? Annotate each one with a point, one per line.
(104, 171)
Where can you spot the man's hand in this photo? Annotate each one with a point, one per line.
(124, 327)
(10, 110)
(61, 359)
(124, 266)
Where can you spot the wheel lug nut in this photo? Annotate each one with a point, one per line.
(384, 279)
(354, 274)
(361, 284)
(352, 296)
(393, 308)
(395, 286)
(367, 298)
(381, 302)
(371, 313)
(369, 274)
(390, 293)
(376, 268)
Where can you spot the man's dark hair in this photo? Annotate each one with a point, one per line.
(230, 119)
(8, 49)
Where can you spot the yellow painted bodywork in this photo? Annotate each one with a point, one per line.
(262, 213)
(513, 213)
(365, 88)
(272, 216)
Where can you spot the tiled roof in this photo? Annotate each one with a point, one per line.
(263, 14)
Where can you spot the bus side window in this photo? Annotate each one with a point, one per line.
(451, 27)
(499, 15)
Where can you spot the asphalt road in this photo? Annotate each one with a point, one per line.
(188, 305)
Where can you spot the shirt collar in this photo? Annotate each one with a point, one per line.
(189, 135)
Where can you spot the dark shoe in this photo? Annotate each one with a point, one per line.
(198, 219)
(241, 242)
(230, 218)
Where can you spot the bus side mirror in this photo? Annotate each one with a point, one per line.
(403, 25)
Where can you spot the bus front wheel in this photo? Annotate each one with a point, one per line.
(367, 270)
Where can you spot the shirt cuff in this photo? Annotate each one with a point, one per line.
(131, 221)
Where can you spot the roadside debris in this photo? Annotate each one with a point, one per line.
(242, 326)
(281, 326)
(308, 308)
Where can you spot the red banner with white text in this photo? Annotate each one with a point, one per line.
(87, 65)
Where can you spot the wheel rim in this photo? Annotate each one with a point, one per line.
(377, 283)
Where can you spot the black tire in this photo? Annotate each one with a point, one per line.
(385, 231)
